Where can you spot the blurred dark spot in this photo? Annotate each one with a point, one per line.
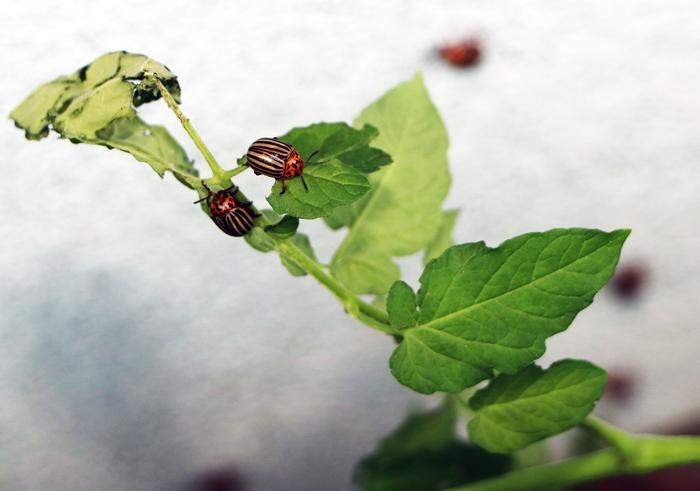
(226, 478)
(629, 280)
(685, 478)
(621, 386)
(463, 54)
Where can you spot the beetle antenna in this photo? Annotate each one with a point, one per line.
(200, 200)
(311, 156)
(303, 182)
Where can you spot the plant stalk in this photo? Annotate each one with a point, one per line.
(218, 171)
(649, 453)
(364, 312)
(367, 314)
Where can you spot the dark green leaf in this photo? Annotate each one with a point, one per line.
(405, 208)
(514, 411)
(455, 464)
(330, 184)
(285, 228)
(303, 243)
(338, 141)
(258, 239)
(484, 309)
(423, 454)
(401, 304)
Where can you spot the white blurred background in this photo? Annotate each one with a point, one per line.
(140, 346)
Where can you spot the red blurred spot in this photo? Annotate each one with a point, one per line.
(463, 54)
(219, 479)
(621, 386)
(628, 281)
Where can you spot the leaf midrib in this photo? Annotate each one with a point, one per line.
(525, 398)
(484, 302)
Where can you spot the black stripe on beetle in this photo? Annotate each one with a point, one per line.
(277, 159)
(233, 217)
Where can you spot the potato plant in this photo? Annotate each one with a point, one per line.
(476, 326)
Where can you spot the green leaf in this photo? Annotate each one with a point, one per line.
(443, 238)
(258, 239)
(331, 184)
(455, 464)
(338, 141)
(147, 143)
(423, 454)
(484, 309)
(285, 228)
(303, 243)
(401, 305)
(344, 216)
(428, 430)
(404, 211)
(514, 411)
(96, 105)
(366, 273)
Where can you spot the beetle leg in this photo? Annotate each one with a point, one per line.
(284, 187)
(304, 182)
(206, 197)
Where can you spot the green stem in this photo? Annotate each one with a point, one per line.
(364, 312)
(623, 442)
(649, 453)
(368, 314)
(172, 103)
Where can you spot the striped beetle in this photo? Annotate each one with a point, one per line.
(233, 217)
(277, 159)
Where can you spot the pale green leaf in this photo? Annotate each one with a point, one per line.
(484, 309)
(401, 305)
(443, 238)
(514, 411)
(364, 273)
(96, 105)
(147, 143)
(303, 243)
(330, 184)
(404, 211)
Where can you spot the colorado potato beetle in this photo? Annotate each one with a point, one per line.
(233, 217)
(277, 159)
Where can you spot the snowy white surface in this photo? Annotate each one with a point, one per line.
(139, 345)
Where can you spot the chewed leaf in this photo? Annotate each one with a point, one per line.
(97, 104)
(514, 411)
(330, 184)
(484, 309)
(86, 101)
